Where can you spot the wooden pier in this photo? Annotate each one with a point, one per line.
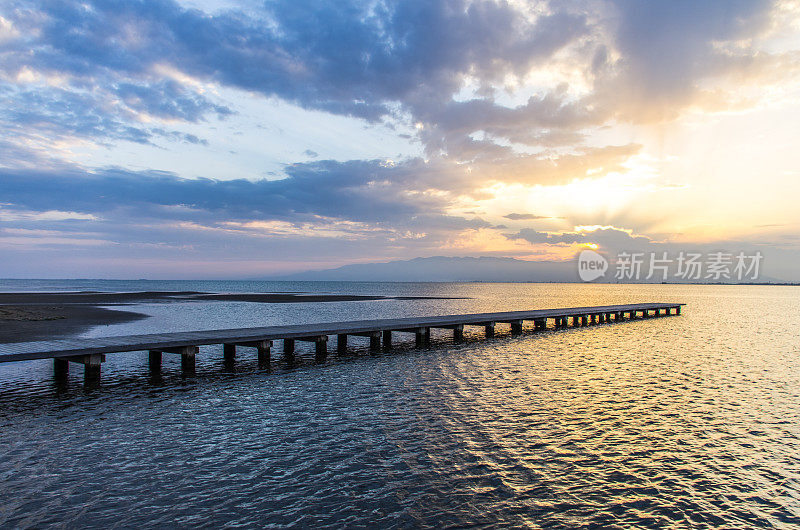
(91, 352)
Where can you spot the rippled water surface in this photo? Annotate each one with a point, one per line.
(681, 421)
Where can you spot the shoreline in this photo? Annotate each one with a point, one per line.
(27, 323)
(34, 316)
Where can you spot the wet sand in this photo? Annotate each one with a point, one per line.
(42, 316)
(44, 322)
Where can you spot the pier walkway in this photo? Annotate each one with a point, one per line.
(91, 351)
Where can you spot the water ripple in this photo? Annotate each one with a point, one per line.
(689, 421)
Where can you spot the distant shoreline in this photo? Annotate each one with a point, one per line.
(577, 282)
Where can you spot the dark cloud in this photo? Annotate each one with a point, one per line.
(117, 217)
(357, 191)
(606, 238)
(523, 216)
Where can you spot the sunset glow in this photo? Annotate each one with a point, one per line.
(668, 124)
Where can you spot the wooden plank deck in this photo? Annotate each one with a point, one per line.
(85, 347)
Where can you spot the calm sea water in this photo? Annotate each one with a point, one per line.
(680, 421)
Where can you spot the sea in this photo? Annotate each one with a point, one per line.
(687, 421)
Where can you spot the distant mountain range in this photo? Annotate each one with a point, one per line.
(448, 269)
(462, 269)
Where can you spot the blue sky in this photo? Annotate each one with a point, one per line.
(240, 139)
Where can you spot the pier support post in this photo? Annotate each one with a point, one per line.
(387, 339)
(375, 341)
(321, 349)
(60, 369)
(229, 352)
(187, 354)
(458, 333)
(91, 367)
(584, 320)
(154, 360)
(320, 346)
(516, 327)
(489, 329)
(678, 310)
(188, 362)
(288, 350)
(341, 343)
(263, 348)
(576, 322)
(423, 336)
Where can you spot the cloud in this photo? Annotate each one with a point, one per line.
(389, 61)
(494, 92)
(664, 57)
(169, 100)
(353, 58)
(608, 238)
(118, 114)
(523, 216)
(319, 192)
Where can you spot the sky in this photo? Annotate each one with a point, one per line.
(222, 139)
